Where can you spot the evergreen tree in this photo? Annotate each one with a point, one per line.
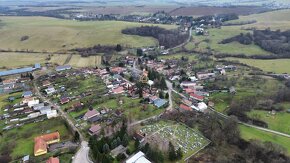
(163, 84)
(131, 79)
(161, 95)
(125, 140)
(171, 152)
(139, 52)
(114, 144)
(137, 144)
(118, 141)
(31, 76)
(76, 136)
(106, 148)
(179, 154)
(167, 96)
(118, 48)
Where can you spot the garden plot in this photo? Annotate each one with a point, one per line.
(181, 136)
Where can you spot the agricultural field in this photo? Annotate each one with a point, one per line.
(16, 60)
(58, 59)
(91, 61)
(161, 133)
(217, 35)
(20, 140)
(278, 121)
(274, 65)
(278, 19)
(211, 10)
(255, 134)
(50, 34)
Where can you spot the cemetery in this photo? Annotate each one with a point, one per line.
(189, 140)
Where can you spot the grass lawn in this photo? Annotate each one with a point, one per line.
(53, 34)
(132, 108)
(65, 158)
(221, 100)
(273, 65)
(217, 35)
(278, 122)
(251, 133)
(21, 140)
(4, 100)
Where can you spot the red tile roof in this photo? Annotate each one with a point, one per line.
(197, 97)
(118, 90)
(95, 128)
(40, 142)
(53, 160)
(185, 107)
(49, 137)
(189, 90)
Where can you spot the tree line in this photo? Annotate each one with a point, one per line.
(276, 42)
(167, 38)
(90, 51)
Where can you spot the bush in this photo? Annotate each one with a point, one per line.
(120, 157)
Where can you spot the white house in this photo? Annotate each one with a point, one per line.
(188, 84)
(138, 158)
(50, 90)
(33, 102)
(200, 107)
(51, 114)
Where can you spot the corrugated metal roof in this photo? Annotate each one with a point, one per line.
(16, 71)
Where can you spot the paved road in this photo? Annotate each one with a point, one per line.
(169, 86)
(82, 156)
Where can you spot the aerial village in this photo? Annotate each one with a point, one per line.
(97, 101)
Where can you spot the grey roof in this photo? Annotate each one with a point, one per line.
(61, 68)
(159, 102)
(16, 71)
(37, 66)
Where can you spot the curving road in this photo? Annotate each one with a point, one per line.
(82, 156)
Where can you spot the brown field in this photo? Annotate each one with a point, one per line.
(127, 10)
(279, 19)
(241, 10)
(92, 61)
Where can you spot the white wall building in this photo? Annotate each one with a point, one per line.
(138, 158)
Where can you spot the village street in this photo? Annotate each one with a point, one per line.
(83, 154)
